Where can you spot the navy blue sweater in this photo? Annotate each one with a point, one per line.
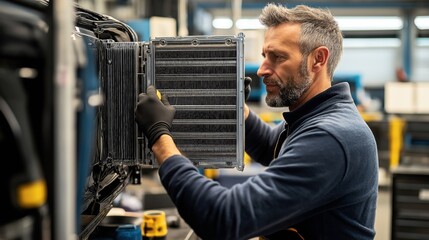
(323, 183)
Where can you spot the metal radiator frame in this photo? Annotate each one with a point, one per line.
(146, 75)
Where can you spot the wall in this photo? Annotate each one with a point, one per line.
(420, 69)
(374, 59)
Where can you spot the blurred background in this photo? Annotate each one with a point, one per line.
(50, 86)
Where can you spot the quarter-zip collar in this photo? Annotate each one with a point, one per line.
(340, 91)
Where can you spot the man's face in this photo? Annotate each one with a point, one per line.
(284, 69)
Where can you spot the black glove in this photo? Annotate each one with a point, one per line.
(247, 88)
(153, 116)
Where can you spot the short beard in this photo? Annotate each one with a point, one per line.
(292, 90)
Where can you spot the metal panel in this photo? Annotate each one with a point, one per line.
(203, 79)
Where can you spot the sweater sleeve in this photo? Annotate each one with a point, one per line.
(261, 139)
(294, 186)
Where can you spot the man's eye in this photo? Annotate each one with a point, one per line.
(279, 58)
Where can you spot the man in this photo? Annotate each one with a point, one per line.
(321, 180)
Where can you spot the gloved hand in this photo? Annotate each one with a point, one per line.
(154, 116)
(247, 88)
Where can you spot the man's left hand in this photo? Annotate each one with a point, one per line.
(153, 115)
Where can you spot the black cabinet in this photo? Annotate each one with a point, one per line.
(410, 203)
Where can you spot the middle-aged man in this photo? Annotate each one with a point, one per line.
(321, 180)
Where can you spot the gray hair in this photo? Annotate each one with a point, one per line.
(318, 28)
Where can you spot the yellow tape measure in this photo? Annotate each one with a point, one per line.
(154, 224)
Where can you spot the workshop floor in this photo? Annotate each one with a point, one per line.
(383, 215)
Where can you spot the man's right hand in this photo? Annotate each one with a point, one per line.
(247, 90)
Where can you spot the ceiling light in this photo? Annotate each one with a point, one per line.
(361, 23)
(422, 22)
(249, 23)
(222, 23)
(244, 23)
(371, 42)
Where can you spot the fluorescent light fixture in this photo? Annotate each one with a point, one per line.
(422, 22)
(222, 23)
(244, 23)
(355, 23)
(371, 42)
(249, 23)
(360, 23)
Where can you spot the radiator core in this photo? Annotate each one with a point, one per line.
(118, 68)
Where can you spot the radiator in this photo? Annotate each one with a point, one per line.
(203, 79)
(119, 68)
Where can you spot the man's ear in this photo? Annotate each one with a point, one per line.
(320, 58)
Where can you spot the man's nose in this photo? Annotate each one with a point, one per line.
(264, 69)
